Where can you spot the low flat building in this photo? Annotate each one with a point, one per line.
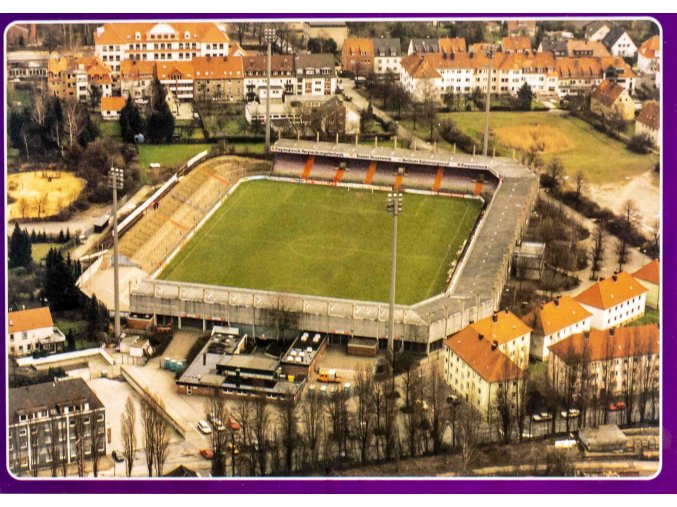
(605, 438)
(53, 423)
(614, 301)
(135, 350)
(27, 66)
(33, 330)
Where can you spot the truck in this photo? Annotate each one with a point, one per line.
(329, 376)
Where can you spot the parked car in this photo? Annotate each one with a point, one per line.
(204, 427)
(543, 416)
(233, 424)
(347, 98)
(572, 413)
(617, 407)
(453, 399)
(235, 451)
(117, 457)
(207, 453)
(565, 444)
(216, 422)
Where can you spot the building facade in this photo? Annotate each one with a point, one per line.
(54, 425)
(649, 55)
(649, 122)
(315, 74)
(387, 56)
(282, 79)
(614, 301)
(609, 99)
(619, 42)
(649, 275)
(33, 330)
(218, 79)
(357, 56)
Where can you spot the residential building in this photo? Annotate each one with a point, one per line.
(357, 56)
(53, 423)
(111, 107)
(33, 330)
(619, 42)
(609, 99)
(512, 336)
(554, 321)
(450, 45)
(649, 55)
(336, 30)
(387, 56)
(614, 301)
(536, 70)
(177, 77)
(73, 77)
(596, 30)
(334, 117)
(218, 78)
(649, 275)
(315, 74)
(442, 45)
(136, 77)
(27, 66)
(611, 361)
(282, 81)
(649, 122)
(478, 370)
(421, 79)
(163, 41)
(579, 48)
(517, 27)
(516, 44)
(578, 76)
(557, 47)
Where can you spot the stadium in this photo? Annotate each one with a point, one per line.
(308, 243)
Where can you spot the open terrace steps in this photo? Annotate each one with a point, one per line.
(163, 226)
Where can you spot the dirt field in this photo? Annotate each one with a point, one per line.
(40, 194)
(523, 137)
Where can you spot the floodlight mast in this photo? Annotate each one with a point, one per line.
(394, 207)
(269, 37)
(116, 181)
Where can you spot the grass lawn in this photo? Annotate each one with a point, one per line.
(325, 241)
(110, 128)
(40, 250)
(651, 316)
(168, 155)
(575, 142)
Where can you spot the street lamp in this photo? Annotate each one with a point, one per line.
(394, 207)
(485, 148)
(269, 37)
(116, 181)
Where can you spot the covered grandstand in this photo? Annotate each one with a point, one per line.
(473, 292)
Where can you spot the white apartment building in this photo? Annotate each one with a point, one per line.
(512, 336)
(555, 321)
(477, 370)
(31, 330)
(175, 41)
(282, 81)
(387, 56)
(136, 77)
(610, 358)
(619, 42)
(614, 301)
(177, 77)
(315, 74)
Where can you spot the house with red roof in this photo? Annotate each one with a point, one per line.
(648, 122)
(614, 301)
(111, 107)
(555, 321)
(649, 55)
(650, 276)
(478, 370)
(33, 330)
(609, 99)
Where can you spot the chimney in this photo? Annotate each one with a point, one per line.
(507, 311)
(612, 331)
(480, 337)
(586, 334)
(204, 359)
(614, 277)
(494, 317)
(494, 345)
(556, 301)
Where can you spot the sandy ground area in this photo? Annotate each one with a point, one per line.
(43, 194)
(644, 190)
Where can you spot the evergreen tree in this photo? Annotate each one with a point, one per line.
(61, 238)
(160, 126)
(20, 251)
(59, 282)
(97, 317)
(34, 237)
(524, 97)
(70, 340)
(68, 234)
(130, 121)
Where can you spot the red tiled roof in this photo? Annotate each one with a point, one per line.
(650, 47)
(503, 326)
(650, 115)
(26, 320)
(607, 93)
(125, 33)
(112, 103)
(212, 67)
(489, 362)
(649, 272)
(556, 315)
(516, 43)
(597, 345)
(611, 291)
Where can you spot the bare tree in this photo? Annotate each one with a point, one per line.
(215, 410)
(287, 418)
(81, 434)
(437, 402)
(243, 413)
(74, 120)
(468, 424)
(339, 419)
(161, 438)
(54, 443)
(98, 437)
(412, 385)
(312, 423)
(597, 251)
(580, 181)
(555, 171)
(364, 416)
(260, 431)
(629, 217)
(128, 433)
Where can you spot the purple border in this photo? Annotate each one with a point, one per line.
(664, 483)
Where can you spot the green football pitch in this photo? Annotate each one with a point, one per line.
(326, 241)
